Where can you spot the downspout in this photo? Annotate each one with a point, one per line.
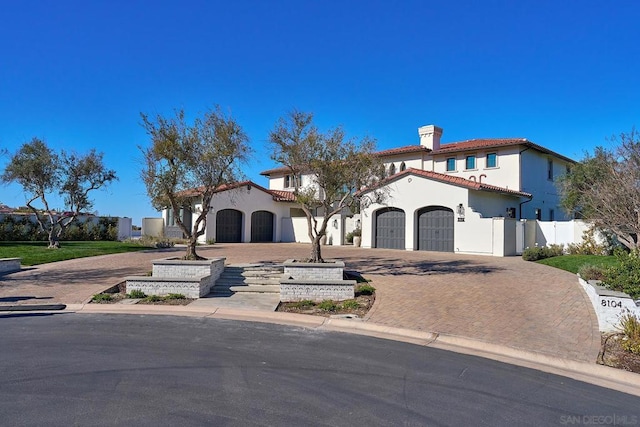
(520, 179)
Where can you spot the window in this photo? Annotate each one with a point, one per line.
(402, 166)
(539, 214)
(470, 162)
(492, 160)
(451, 164)
(392, 169)
(552, 215)
(290, 180)
(550, 170)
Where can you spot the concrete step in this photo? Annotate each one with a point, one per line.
(247, 281)
(254, 277)
(262, 289)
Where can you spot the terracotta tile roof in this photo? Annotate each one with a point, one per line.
(485, 143)
(404, 150)
(278, 195)
(282, 195)
(454, 180)
(281, 169)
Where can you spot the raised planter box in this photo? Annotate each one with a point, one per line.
(316, 290)
(9, 265)
(193, 279)
(609, 305)
(315, 281)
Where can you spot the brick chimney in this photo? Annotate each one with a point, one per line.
(430, 136)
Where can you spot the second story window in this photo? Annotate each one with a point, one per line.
(451, 164)
(492, 160)
(392, 169)
(470, 162)
(290, 181)
(550, 170)
(402, 166)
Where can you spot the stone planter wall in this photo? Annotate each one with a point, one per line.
(315, 281)
(193, 279)
(9, 265)
(609, 305)
(316, 290)
(314, 271)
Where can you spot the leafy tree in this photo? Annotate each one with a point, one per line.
(186, 164)
(604, 188)
(336, 168)
(42, 172)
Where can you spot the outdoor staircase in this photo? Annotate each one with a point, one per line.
(251, 278)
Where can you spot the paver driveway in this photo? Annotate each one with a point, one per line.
(504, 301)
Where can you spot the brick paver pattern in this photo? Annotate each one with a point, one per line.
(504, 301)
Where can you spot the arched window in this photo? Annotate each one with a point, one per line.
(402, 166)
(392, 169)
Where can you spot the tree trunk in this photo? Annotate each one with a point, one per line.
(191, 250)
(54, 242)
(316, 252)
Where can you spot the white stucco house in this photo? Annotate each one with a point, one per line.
(465, 197)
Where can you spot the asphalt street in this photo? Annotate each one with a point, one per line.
(92, 369)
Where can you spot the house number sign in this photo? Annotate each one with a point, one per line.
(611, 303)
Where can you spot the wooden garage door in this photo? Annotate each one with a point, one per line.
(390, 226)
(435, 229)
(229, 226)
(261, 227)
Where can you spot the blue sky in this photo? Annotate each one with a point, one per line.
(564, 74)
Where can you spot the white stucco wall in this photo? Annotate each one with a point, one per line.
(505, 174)
(246, 201)
(535, 181)
(477, 234)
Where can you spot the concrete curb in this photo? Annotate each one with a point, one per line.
(591, 373)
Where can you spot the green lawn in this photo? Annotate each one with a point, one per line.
(33, 253)
(573, 263)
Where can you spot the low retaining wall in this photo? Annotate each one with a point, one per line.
(9, 265)
(315, 281)
(316, 290)
(312, 271)
(193, 279)
(609, 305)
(194, 287)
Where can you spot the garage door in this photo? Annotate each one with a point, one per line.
(435, 229)
(229, 226)
(390, 225)
(261, 227)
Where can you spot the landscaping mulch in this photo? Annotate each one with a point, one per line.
(614, 355)
(365, 303)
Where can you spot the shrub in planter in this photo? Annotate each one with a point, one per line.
(592, 272)
(541, 252)
(625, 275)
(365, 289)
(630, 326)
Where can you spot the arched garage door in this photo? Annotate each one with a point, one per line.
(261, 227)
(229, 226)
(390, 225)
(435, 229)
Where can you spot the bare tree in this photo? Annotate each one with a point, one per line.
(186, 164)
(336, 167)
(41, 172)
(605, 188)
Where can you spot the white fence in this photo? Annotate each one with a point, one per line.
(530, 233)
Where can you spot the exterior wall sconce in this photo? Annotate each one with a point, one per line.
(248, 187)
(335, 223)
(460, 212)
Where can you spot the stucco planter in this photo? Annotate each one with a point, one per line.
(9, 265)
(609, 305)
(315, 282)
(356, 241)
(193, 279)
